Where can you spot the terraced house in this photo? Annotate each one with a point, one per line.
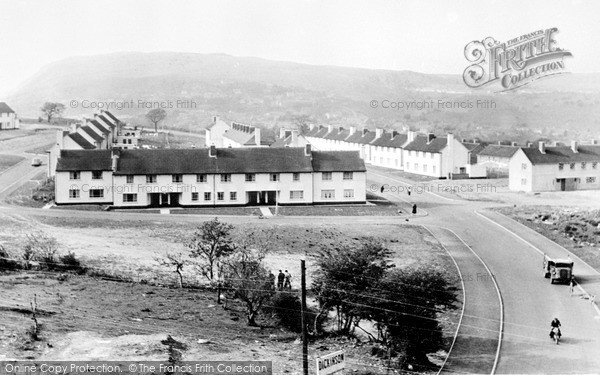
(555, 168)
(210, 177)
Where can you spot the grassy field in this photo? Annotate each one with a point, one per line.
(90, 317)
(171, 140)
(31, 193)
(7, 161)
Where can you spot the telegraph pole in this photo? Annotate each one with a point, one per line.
(303, 311)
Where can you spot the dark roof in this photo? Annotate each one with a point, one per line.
(562, 154)
(321, 133)
(228, 160)
(84, 160)
(100, 127)
(4, 108)
(337, 161)
(110, 123)
(311, 133)
(386, 140)
(474, 149)
(81, 141)
(499, 151)
(367, 138)
(420, 144)
(113, 117)
(97, 137)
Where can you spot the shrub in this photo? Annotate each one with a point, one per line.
(6, 263)
(70, 262)
(287, 309)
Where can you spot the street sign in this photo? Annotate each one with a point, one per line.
(331, 363)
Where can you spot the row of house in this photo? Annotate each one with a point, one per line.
(424, 154)
(209, 177)
(8, 118)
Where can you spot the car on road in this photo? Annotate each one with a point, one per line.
(36, 162)
(557, 270)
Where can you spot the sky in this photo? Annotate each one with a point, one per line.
(420, 35)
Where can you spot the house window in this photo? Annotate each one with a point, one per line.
(74, 193)
(348, 175)
(274, 177)
(220, 196)
(433, 169)
(583, 165)
(590, 180)
(74, 175)
(561, 166)
(225, 177)
(326, 176)
(96, 175)
(424, 167)
(207, 196)
(348, 193)
(595, 165)
(524, 166)
(431, 155)
(201, 178)
(233, 196)
(151, 179)
(129, 179)
(131, 197)
(296, 194)
(572, 166)
(327, 194)
(523, 181)
(296, 176)
(96, 193)
(250, 177)
(195, 196)
(177, 178)
(416, 166)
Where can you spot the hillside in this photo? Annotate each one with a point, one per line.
(273, 93)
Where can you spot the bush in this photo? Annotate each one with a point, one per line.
(6, 263)
(287, 309)
(70, 262)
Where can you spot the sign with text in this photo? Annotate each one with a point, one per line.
(331, 363)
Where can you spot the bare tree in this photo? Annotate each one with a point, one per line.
(210, 243)
(175, 260)
(155, 116)
(51, 110)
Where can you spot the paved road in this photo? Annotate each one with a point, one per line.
(522, 313)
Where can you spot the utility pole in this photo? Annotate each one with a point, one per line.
(303, 310)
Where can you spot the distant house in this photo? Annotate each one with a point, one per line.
(221, 134)
(214, 132)
(8, 118)
(495, 159)
(210, 177)
(558, 168)
(290, 138)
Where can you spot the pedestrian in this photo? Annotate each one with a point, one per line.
(382, 188)
(280, 280)
(592, 299)
(414, 208)
(408, 190)
(288, 280)
(571, 285)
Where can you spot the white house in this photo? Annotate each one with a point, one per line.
(220, 134)
(495, 159)
(8, 118)
(209, 177)
(558, 168)
(290, 138)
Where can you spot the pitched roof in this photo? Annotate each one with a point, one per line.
(499, 151)
(312, 132)
(321, 133)
(420, 144)
(337, 161)
(113, 117)
(287, 141)
(88, 130)
(362, 138)
(562, 154)
(100, 127)
(474, 149)
(108, 122)
(84, 160)
(243, 138)
(81, 141)
(218, 122)
(4, 108)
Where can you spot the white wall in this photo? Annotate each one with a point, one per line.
(63, 184)
(520, 178)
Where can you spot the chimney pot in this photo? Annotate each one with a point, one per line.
(514, 144)
(365, 131)
(394, 134)
(212, 152)
(430, 137)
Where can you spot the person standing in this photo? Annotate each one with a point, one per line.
(288, 280)
(571, 285)
(280, 280)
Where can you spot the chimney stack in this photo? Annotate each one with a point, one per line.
(529, 144)
(574, 147)
(542, 147)
(257, 136)
(499, 143)
(282, 133)
(308, 150)
(215, 119)
(294, 142)
(311, 126)
(430, 137)
(212, 151)
(329, 128)
(378, 132)
(340, 129)
(514, 144)
(115, 159)
(365, 131)
(352, 130)
(394, 134)
(594, 141)
(410, 136)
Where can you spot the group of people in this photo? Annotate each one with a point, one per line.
(284, 280)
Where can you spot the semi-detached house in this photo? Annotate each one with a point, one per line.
(209, 177)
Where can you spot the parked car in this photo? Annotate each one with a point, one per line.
(36, 162)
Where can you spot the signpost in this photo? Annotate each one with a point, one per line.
(331, 363)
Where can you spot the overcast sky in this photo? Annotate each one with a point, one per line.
(422, 36)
